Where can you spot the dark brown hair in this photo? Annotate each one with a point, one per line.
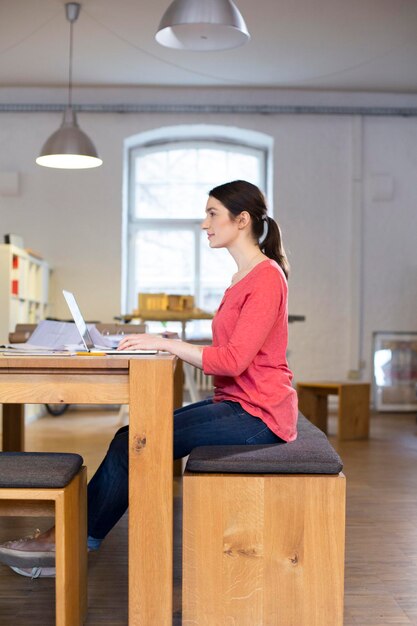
(238, 196)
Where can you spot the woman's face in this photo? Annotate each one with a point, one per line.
(221, 229)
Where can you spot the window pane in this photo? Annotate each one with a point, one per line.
(164, 261)
(212, 167)
(150, 167)
(244, 167)
(173, 183)
(171, 200)
(217, 268)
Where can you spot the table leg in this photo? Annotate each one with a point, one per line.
(150, 492)
(178, 384)
(354, 411)
(313, 405)
(178, 399)
(13, 427)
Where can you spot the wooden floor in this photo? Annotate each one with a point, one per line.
(381, 546)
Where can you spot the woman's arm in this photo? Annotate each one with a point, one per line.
(187, 352)
(246, 335)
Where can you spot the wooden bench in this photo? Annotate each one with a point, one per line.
(354, 406)
(263, 534)
(53, 484)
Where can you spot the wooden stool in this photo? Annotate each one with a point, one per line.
(264, 533)
(354, 401)
(53, 484)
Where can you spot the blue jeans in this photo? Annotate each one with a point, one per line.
(201, 424)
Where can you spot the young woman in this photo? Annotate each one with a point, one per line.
(253, 403)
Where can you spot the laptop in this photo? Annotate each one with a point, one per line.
(81, 326)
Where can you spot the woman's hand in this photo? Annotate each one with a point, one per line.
(142, 341)
(186, 351)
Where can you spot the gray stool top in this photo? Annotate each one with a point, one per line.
(310, 453)
(38, 469)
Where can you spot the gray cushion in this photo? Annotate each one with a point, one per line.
(310, 453)
(38, 469)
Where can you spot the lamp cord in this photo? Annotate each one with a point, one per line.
(70, 68)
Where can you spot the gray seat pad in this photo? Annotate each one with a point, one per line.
(310, 453)
(38, 469)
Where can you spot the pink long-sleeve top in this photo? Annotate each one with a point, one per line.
(248, 355)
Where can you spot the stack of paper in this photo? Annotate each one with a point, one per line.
(58, 338)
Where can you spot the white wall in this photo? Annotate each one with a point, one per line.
(74, 219)
(390, 227)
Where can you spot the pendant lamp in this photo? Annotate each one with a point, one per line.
(202, 25)
(69, 147)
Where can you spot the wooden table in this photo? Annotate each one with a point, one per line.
(183, 317)
(151, 386)
(353, 411)
(169, 316)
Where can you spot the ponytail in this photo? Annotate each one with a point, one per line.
(272, 246)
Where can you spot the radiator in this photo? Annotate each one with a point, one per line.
(202, 381)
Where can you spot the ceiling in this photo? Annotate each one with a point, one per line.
(358, 45)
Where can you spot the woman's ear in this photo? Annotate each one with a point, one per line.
(243, 219)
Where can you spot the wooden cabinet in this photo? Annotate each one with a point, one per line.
(24, 285)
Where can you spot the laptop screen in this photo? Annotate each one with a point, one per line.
(78, 319)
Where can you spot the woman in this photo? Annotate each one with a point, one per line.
(253, 403)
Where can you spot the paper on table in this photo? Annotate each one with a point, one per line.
(51, 335)
(102, 341)
(54, 335)
(45, 352)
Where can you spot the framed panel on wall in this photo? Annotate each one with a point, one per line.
(395, 371)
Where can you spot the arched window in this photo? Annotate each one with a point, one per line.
(169, 175)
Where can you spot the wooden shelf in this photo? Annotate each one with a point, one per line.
(24, 286)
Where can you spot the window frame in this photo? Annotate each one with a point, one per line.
(162, 224)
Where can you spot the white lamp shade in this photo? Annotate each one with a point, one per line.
(69, 147)
(202, 25)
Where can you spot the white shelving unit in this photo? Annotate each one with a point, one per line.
(24, 286)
